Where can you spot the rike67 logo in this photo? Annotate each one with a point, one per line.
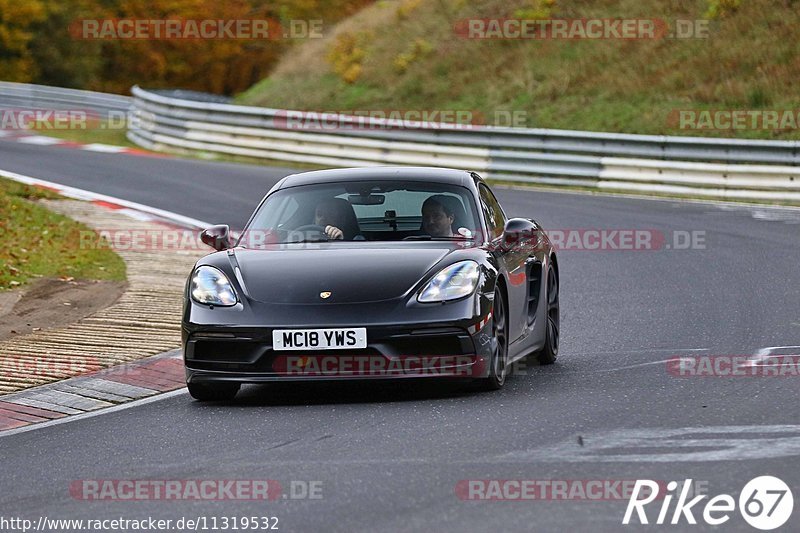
(765, 503)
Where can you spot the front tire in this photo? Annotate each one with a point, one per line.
(213, 392)
(548, 354)
(499, 358)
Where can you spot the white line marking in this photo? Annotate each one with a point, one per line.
(616, 369)
(40, 140)
(765, 354)
(637, 365)
(647, 350)
(92, 414)
(134, 214)
(768, 350)
(688, 444)
(106, 148)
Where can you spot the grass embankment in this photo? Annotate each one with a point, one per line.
(406, 55)
(36, 242)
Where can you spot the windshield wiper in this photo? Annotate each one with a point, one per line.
(304, 241)
(430, 238)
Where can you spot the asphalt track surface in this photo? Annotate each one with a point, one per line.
(389, 457)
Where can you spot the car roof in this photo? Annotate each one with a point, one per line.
(434, 174)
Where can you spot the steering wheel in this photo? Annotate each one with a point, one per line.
(313, 228)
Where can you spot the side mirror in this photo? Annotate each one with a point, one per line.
(519, 231)
(217, 237)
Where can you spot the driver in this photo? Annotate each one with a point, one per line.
(438, 216)
(331, 214)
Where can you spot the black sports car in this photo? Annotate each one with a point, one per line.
(371, 273)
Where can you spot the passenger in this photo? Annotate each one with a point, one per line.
(438, 216)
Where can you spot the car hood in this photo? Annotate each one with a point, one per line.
(297, 274)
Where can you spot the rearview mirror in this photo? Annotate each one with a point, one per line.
(371, 199)
(217, 237)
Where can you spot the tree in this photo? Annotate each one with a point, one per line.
(16, 21)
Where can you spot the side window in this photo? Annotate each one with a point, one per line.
(492, 212)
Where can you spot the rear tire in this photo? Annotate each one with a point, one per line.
(499, 360)
(548, 354)
(213, 392)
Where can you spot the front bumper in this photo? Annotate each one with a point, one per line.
(246, 355)
(404, 340)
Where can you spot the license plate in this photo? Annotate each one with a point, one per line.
(319, 339)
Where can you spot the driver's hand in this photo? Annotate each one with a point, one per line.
(333, 232)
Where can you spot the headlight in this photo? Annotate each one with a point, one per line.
(453, 282)
(211, 287)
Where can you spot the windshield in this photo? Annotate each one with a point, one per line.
(364, 211)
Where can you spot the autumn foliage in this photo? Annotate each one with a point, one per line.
(39, 44)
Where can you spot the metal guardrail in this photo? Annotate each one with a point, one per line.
(27, 96)
(694, 166)
(697, 166)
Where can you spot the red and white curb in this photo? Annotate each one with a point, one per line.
(130, 382)
(44, 140)
(97, 390)
(132, 209)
